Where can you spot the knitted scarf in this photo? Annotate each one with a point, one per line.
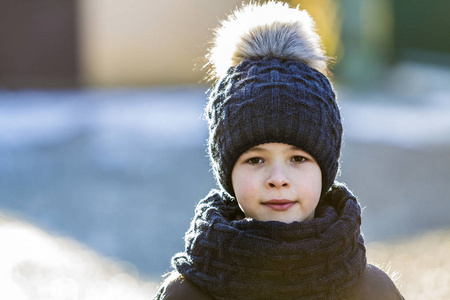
(232, 257)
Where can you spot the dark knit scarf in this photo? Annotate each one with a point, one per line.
(234, 258)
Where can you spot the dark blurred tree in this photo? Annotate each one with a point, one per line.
(367, 37)
(422, 30)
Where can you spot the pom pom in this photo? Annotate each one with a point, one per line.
(269, 30)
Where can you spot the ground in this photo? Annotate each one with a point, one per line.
(61, 268)
(99, 186)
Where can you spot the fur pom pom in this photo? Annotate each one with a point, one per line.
(273, 30)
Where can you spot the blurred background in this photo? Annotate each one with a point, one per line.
(102, 139)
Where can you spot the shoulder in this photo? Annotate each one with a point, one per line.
(375, 284)
(176, 287)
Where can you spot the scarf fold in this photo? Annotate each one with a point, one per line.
(232, 257)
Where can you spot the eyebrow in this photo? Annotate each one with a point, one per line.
(259, 149)
(296, 148)
(256, 149)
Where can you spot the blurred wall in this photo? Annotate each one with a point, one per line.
(143, 42)
(38, 43)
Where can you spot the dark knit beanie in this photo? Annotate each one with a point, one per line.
(271, 88)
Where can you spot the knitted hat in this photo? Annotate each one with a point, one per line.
(271, 88)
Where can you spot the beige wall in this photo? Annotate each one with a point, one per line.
(146, 42)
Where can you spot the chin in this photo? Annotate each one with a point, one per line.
(293, 218)
(286, 220)
(290, 221)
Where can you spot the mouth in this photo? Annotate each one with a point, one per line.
(279, 204)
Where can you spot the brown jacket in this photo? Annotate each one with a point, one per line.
(374, 284)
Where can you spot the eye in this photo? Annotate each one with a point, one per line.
(298, 158)
(255, 160)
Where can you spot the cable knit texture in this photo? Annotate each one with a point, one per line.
(233, 258)
(272, 100)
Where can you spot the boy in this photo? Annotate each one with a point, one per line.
(279, 227)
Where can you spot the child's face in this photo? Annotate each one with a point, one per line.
(277, 182)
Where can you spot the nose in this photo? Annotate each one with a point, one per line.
(277, 178)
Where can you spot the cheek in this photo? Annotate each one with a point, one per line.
(315, 184)
(308, 181)
(244, 186)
